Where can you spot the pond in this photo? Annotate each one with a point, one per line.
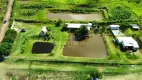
(65, 16)
(90, 47)
(42, 47)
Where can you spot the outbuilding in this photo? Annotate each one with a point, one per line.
(114, 27)
(135, 26)
(76, 26)
(128, 43)
(43, 31)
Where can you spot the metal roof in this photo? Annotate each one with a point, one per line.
(114, 26)
(135, 26)
(128, 41)
(74, 25)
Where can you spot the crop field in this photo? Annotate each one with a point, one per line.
(3, 7)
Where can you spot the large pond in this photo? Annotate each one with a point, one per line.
(90, 47)
(65, 16)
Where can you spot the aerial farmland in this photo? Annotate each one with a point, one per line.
(70, 40)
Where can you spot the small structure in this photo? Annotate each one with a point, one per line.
(128, 43)
(76, 26)
(135, 26)
(43, 31)
(115, 30)
(114, 27)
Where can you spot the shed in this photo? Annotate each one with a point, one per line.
(76, 25)
(114, 27)
(43, 31)
(135, 26)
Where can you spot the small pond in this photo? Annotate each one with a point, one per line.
(42, 47)
(65, 16)
(90, 47)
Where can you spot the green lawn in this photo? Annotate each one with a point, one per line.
(25, 41)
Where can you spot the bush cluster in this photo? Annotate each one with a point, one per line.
(7, 42)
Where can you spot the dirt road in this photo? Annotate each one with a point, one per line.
(7, 19)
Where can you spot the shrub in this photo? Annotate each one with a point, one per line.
(120, 13)
(58, 23)
(96, 74)
(131, 56)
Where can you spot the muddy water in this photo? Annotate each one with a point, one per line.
(90, 47)
(74, 16)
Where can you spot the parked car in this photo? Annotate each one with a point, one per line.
(4, 21)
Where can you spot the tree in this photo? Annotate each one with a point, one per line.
(5, 48)
(96, 74)
(58, 23)
(137, 1)
(81, 32)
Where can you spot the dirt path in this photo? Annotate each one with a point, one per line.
(7, 18)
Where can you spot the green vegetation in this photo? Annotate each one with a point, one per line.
(81, 32)
(120, 13)
(24, 41)
(6, 45)
(109, 9)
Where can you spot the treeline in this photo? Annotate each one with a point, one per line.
(6, 45)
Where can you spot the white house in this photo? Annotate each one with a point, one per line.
(114, 27)
(135, 26)
(127, 42)
(76, 26)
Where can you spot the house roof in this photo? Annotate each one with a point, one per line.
(74, 25)
(128, 41)
(114, 26)
(135, 26)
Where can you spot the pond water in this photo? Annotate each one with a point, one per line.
(65, 16)
(90, 47)
(42, 47)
